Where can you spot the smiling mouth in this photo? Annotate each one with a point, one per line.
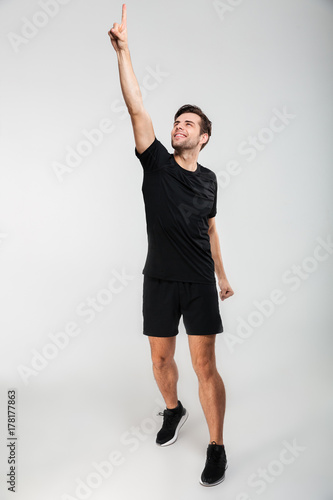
(180, 135)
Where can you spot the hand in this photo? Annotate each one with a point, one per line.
(118, 33)
(225, 289)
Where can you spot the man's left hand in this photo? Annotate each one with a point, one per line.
(225, 289)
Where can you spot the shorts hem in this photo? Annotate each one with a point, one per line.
(162, 336)
(210, 333)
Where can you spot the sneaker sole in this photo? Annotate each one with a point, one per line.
(181, 423)
(216, 482)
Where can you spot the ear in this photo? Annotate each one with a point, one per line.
(204, 138)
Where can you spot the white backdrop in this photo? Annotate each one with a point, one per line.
(73, 245)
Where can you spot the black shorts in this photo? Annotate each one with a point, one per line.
(165, 301)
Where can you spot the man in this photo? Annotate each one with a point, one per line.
(183, 254)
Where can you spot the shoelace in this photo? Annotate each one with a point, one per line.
(168, 418)
(213, 454)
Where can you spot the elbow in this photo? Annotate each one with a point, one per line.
(135, 109)
(212, 231)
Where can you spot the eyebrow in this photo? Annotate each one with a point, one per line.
(187, 121)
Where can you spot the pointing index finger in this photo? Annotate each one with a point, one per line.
(124, 15)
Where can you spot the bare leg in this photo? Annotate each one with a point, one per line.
(165, 368)
(211, 387)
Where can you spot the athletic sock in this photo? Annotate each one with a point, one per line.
(174, 409)
(220, 446)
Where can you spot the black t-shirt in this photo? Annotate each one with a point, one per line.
(178, 204)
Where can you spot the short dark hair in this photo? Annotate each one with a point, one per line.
(205, 123)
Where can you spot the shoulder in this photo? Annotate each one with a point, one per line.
(208, 173)
(154, 157)
(155, 146)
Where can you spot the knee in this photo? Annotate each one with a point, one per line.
(204, 367)
(160, 361)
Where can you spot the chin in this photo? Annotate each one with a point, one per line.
(175, 146)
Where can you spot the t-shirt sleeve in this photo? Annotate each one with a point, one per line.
(155, 156)
(213, 211)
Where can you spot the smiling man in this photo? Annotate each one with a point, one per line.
(180, 197)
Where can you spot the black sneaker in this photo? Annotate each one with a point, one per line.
(172, 422)
(216, 465)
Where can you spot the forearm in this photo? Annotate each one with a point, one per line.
(216, 254)
(128, 82)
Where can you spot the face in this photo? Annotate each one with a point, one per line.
(185, 134)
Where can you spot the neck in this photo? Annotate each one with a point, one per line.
(187, 159)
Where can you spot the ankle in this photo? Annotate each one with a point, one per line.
(219, 442)
(173, 406)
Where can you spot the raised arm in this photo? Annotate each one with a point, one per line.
(141, 122)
